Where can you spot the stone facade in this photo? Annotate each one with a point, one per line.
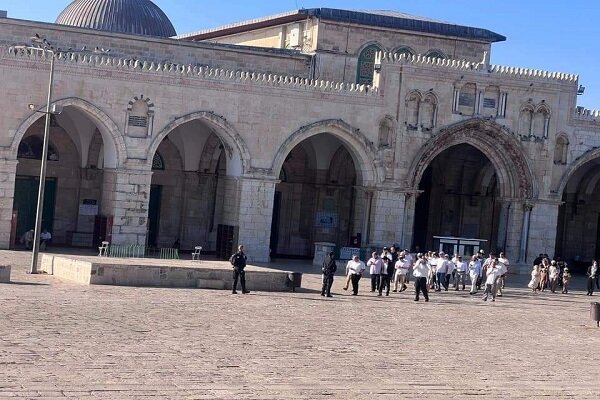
(247, 137)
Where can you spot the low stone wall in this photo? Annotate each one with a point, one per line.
(4, 273)
(103, 271)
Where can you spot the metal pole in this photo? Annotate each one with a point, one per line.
(40, 200)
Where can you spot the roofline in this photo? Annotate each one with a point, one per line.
(286, 53)
(354, 17)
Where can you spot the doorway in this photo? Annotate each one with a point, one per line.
(25, 203)
(154, 215)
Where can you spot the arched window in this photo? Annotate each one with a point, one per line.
(366, 65)
(404, 50)
(386, 129)
(435, 53)
(428, 111)
(466, 99)
(413, 100)
(31, 148)
(561, 150)
(541, 122)
(525, 120)
(158, 164)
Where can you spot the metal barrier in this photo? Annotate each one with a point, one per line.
(169, 254)
(126, 251)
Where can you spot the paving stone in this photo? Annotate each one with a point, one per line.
(62, 340)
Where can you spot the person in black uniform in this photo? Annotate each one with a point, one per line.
(238, 260)
(328, 269)
(387, 273)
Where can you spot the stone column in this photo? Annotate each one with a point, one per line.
(527, 207)
(125, 197)
(8, 171)
(387, 217)
(255, 215)
(408, 226)
(505, 208)
(542, 229)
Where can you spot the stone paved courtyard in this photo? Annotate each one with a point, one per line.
(59, 340)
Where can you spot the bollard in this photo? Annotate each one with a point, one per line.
(595, 312)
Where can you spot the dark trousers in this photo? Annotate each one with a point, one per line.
(384, 284)
(440, 281)
(590, 285)
(327, 282)
(421, 287)
(355, 278)
(241, 274)
(374, 282)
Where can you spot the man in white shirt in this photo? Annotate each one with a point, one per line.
(355, 269)
(492, 274)
(504, 263)
(461, 273)
(45, 238)
(443, 266)
(420, 272)
(402, 267)
(375, 265)
(474, 273)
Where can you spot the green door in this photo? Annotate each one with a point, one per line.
(26, 193)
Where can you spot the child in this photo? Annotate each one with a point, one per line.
(535, 278)
(566, 280)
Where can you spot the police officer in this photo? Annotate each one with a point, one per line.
(238, 260)
(328, 269)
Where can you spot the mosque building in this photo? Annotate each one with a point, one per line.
(315, 125)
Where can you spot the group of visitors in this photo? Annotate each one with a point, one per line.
(549, 274)
(430, 271)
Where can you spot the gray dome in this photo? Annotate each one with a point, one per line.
(138, 17)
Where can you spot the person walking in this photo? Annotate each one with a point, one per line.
(490, 280)
(328, 269)
(461, 273)
(553, 273)
(592, 275)
(402, 267)
(375, 265)
(238, 260)
(355, 269)
(502, 281)
(420, 273)
(474, 273)
(385, 278)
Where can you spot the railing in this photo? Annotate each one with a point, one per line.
(141, 251)
(127, 251)
(169, 254)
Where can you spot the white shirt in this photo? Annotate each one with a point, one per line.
(492, 274)
(45, 236)
(554, 271)
(475, 267)
(355, 267)
(504, 260)
(444, 267)
(402, 266)
(375, 265)
(461, 266)
(420, 269)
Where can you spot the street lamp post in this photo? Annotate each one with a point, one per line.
(41, 45)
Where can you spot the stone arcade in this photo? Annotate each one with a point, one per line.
(309, 126)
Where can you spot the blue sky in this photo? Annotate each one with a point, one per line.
(556, 35)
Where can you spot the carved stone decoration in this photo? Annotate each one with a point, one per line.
(498, 145)
(139, 120)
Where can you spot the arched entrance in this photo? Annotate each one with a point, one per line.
(459, 198)
(578, 229)
(80, 147)
(320, 167)
(314, 199)
(474, 179)
(195, 163)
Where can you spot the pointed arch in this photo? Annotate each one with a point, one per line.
(503, 150)
(575, 168)
(115, 150)
(361, 149)
(233, 144)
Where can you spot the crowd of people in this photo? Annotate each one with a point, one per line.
(438, 271)
(430, 271)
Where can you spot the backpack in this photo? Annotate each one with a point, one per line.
(232, 259)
